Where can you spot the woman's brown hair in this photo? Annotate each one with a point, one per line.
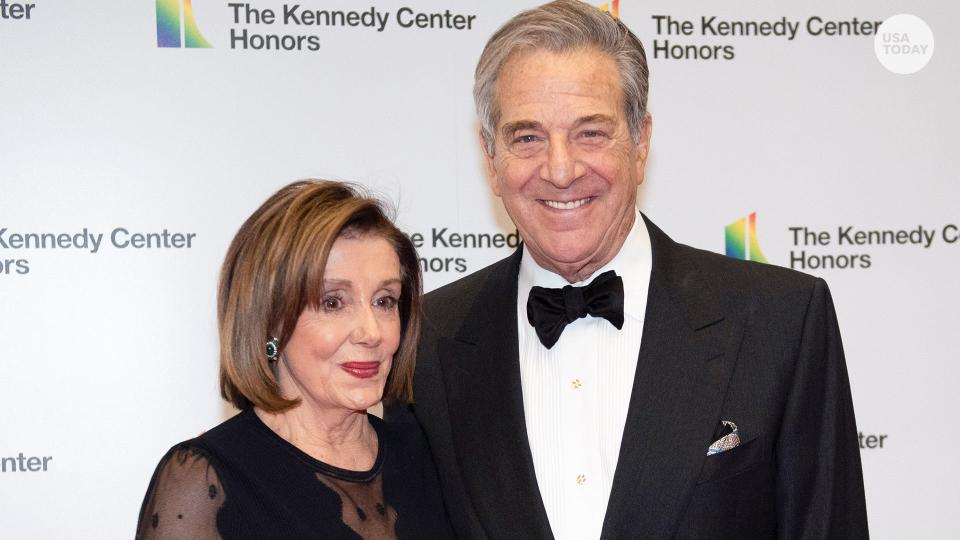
(274, 270)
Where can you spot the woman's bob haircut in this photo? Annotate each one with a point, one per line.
(274, 270)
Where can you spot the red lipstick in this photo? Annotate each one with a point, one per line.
(361, 370)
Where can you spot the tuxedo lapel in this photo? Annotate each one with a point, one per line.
(482, 378)
(686, 358)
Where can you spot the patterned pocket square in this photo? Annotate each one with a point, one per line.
(728, 441)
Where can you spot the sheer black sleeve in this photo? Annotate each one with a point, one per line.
(183, 499)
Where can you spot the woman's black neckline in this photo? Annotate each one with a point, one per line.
(321, 467)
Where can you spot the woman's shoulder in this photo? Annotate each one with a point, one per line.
(401, 433)
(184, 495)
(410, 479)
(187, 487)
(402, 441)
(223, 433)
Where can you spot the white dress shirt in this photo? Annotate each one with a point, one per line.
(575, 395)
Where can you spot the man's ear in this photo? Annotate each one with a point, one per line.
(643, 147)
(491, 168)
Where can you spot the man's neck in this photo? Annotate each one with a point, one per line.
(579, 271)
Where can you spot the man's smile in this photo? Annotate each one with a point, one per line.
(566, 205)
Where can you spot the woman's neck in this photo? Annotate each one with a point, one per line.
(342, 438)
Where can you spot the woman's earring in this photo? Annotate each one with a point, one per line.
(273, 349)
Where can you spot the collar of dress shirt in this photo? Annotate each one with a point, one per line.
(632, 263)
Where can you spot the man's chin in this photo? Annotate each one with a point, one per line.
(560, 255)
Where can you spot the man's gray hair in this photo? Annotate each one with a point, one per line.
(561, 26)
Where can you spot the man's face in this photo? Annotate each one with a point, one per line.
(565, 164)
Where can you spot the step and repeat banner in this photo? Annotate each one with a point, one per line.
(136, 136)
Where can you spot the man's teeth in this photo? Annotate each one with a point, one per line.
(566, 205)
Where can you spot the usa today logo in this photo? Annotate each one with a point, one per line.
(904, 44)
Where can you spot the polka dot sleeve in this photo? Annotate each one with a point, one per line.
(183, 498)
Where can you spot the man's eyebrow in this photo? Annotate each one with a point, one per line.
(595, 119)
(510, 128)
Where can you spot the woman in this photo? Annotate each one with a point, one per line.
(319, 311)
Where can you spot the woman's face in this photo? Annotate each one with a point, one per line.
(340, 353)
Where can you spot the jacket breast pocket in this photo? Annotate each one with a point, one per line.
(733, 461)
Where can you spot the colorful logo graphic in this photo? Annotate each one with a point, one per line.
(742, 240)
(612, 7)
(169, 24)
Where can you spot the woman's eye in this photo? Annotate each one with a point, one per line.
(331, 303)
(386, 302)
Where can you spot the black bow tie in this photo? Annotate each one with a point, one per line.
(551, 310)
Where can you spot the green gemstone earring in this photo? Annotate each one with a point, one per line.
(273, 349)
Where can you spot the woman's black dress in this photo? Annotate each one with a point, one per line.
(242, 480)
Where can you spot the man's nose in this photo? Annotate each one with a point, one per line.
(561, 167)
(366, 330)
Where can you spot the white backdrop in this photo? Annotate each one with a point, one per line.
(108, 355)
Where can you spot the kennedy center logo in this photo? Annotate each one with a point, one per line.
(176, 31)
(742, 243)
(612, 7)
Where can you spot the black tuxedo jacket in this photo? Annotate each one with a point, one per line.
(723, 339)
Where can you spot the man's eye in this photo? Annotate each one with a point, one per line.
(526, 139)
(592, 133)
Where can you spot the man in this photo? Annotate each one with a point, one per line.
(690, 395)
